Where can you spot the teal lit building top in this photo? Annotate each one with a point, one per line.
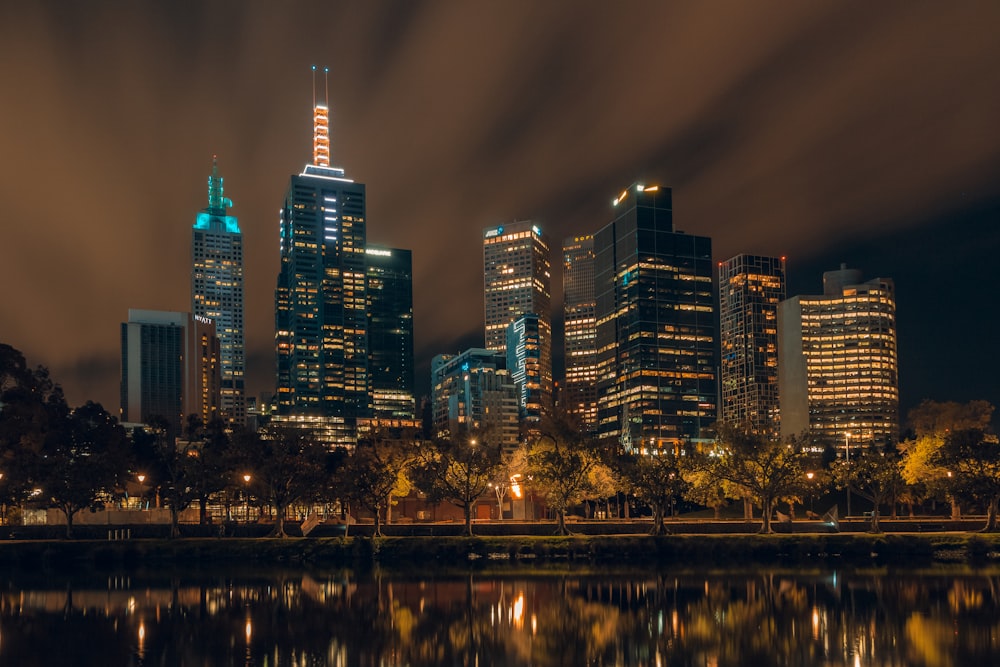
(214, 217)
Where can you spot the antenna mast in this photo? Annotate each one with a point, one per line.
(321, 123)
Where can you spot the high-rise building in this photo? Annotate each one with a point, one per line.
(656, 328)
(321, 322)
(837, 370)
(390, 332)
(170, 368)
(472, 391)
(217, 291)
(579, 394)
(524, 362)
(518, 281)
(750, 289)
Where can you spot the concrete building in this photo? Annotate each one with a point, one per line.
(838, 375)
(169, 369)
(524, 362)
(390, 332)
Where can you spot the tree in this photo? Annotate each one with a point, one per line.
(970, 460)
(768, 469)
(288, 466)
(939, 418)
(458, 470)
(656, 479)
(373, 472)
(87, 460)
(33, 411)
(560, 462)
(874, 474)
(512, 466)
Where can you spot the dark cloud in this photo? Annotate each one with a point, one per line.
(785, 128)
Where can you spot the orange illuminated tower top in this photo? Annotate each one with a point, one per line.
(321, 122)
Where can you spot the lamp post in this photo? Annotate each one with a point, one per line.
(142, 490)
(847, 446)
(246, 497)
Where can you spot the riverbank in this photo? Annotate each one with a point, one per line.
(855, 550)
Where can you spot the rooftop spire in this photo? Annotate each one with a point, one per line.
(216, 202)
(321, 122)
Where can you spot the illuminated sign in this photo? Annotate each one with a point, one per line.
(490, 233)
(377, 252)
(203, 320)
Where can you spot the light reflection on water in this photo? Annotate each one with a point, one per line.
(649, 619)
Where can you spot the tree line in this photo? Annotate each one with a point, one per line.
(78, 458)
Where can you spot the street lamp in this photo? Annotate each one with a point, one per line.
(142, 491)
(847, 446)
(246, 497)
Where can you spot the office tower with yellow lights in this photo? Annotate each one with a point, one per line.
(837, 372)
(321, 319)
(750, 289)
(518, 281)
(656, 326)
(217, 292)
(579, 391)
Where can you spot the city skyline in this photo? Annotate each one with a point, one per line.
(826, 133)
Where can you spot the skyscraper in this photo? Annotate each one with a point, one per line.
(170, 368)
(656, 330)
(750, 289)
(472, 391)
(837, 374)
(579, 394)
(217, 291)
(321, 323)
(518, 281)
(390, 331)
(524, 360)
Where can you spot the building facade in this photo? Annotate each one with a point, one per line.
(518, 281)
(472, 391)
(524, 362)
(838, 373)
(656, 326)
(390, 332)
(170, 368)
(750, 289)
(579, 391)
(321, 319)
(217, 292)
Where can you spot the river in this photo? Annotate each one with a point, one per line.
(510, 617)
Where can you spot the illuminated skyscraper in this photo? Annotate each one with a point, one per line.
(837, 371)
(524, 361)
(170, 368)
(518, 281)
(750, 289)
(390, 331)
(321, 323)
(473, 392)
(217, 291)
(656, 329)
(579, 394)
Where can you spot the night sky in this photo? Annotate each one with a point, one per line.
(858, 132)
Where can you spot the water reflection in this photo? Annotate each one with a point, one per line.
(339, 619)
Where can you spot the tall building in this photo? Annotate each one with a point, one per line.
(390, 331)
(579, 394)
(524, 361)
(321, 323)
(518, 281)
(472, 391)
(217, 291)
(656, 329)
(750, 289)
(837, 372)
(170, 368)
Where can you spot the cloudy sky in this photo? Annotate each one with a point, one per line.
(861, 132)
